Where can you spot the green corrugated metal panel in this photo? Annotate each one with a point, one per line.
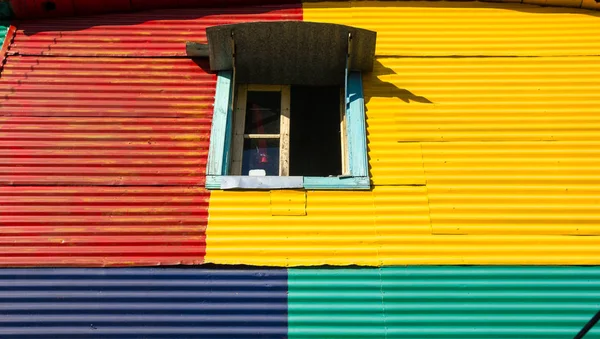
(3, 28)
(444, 302)
(340, 303)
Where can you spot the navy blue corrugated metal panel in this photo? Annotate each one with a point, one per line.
(443, 302)
(143, 303)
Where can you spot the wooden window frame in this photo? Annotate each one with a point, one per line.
(239, 134)
(225, 146)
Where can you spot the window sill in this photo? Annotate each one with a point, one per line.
(233, 182)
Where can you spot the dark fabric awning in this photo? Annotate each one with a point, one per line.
(289, 52)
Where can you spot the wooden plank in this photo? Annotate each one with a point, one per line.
(213, 182)
(229, 130)
(239, 120)
(284, 142)
(355, 123)
(337, 183)
(219, 124)
(261, 136)
(343, 132)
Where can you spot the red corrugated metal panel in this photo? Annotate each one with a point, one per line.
(106, 87)
(155, 33)
(106, 151)
(145, 145)
(96, 122)
(96, 226)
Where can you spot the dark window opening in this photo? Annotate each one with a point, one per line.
(262, 112)
(315, 140)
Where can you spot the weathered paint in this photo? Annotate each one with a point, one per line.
(477, 159)
(443, 302)
(102, 159)
(220, 140)
(104, 121)
(217, 168)
(25, 9)
(150, 34)
(102, 226)
(143, 303)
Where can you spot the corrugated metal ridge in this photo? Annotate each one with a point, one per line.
(153, 33)
(462, 28)
(443, 302)
(143, 303)
(104, 121)
(86, 7)
(393, 302)
(100, 226)
(102, 158)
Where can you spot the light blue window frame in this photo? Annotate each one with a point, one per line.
(219, 156)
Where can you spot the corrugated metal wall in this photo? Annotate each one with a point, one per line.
(443, 302)
(104, 138)
(391, 302)
(154, 33)
(483, 146)
(143, 303)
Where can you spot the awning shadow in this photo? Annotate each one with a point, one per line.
(382, 89)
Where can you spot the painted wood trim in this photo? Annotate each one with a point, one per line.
(213, 182)
(356, 143)
(239, 121)
(262, 136)
(356, 127)
(343, 132)
(221, 115)
(337, 183)
(284, 131)
(312, 183)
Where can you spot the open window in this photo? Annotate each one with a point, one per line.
(283, 120)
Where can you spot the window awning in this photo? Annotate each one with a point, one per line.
(288, 52)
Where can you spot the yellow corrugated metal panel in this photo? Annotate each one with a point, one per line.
(288, 202)
(410, 28)
(483, 99)
(401, 211)
(491, 250)
(478, 160)
(338, 229)
(514, 187)
(395, 163)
